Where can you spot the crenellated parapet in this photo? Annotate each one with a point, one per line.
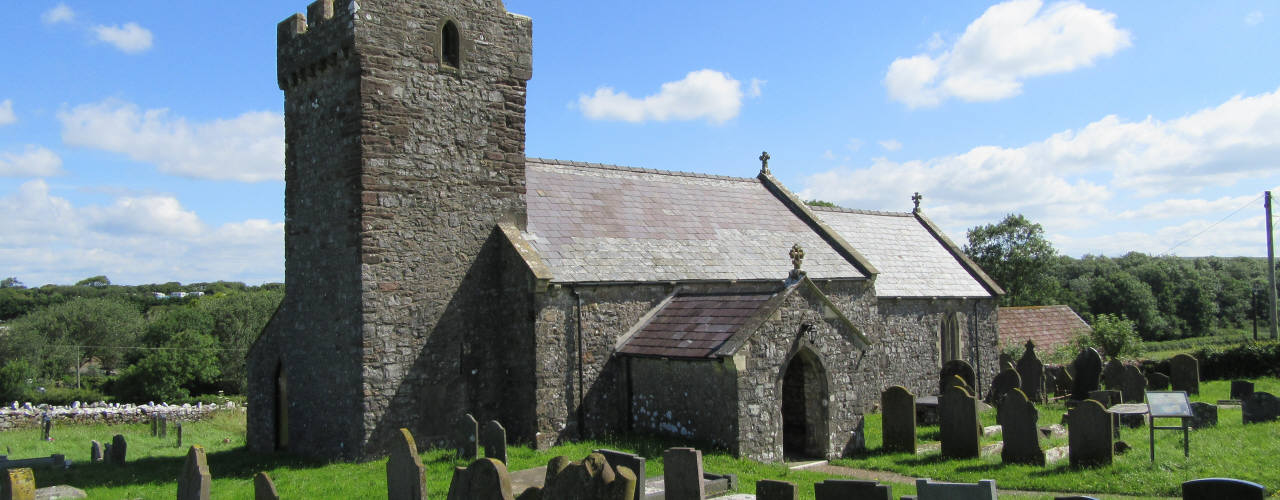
(309, 45)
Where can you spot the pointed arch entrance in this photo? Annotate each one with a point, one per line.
(804, 408)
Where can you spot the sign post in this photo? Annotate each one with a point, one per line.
(1169, 404)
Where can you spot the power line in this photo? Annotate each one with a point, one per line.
(1211, 226)
(149, 348)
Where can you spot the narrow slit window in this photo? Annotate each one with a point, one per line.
(450, 47)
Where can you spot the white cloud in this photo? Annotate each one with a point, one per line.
(1253, 18)
(1010, 42)
(130, 38)
(7, 115)
(1193, 238)
(58, 14)
(147, 239)
(756, 88)
(34, 161)
(703, 94)
(1181, 207)
(890, 144)
(247, 148)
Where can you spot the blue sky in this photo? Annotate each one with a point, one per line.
(142, 140)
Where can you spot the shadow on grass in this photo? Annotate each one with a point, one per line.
(238, 463)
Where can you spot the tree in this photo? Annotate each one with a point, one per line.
(186, 364)
(1122, 294)
(70, 334)
(238, 319)
(11, 282)
(1116, 336)
(1015, 253)
(94, 281)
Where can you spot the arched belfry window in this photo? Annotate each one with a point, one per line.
(450, 45)
(949, 338)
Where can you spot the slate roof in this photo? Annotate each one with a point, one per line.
(912, 262)
(695, 326)
(1047, 326)
(604, 223)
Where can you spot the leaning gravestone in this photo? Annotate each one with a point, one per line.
(1089, 435)
(1113, 375)
(1157, 381)
(1259, 407)
(1018, 422)
(195, 481)
(1088, 367)
(1031, 370)
(494, 439)
(682, 474)
(959, 423)
(1240, 389)
(264, 488)
(118, 451)
(1203, 415)
(898, 421)
(843, 489)
(1219, 488)
(465, 438)
(768, 489)
(1001, 384)
(1133, 385)
(955, 367)
(95, 452)
(1184, 373)
(406, 476)
(18, 484)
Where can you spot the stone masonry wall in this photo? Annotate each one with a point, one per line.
(695, 400)
(913, 327)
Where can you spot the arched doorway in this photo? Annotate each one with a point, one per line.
(804, 409)
(282, 409)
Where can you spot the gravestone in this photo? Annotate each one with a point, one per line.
(1204, 415)
(1001, 384)
(406, 476)
(177, 428)
(264, 488)
(466, 439)
(155, 430)
(631, 461)
(898, 421)
(95, 452)
(1157, 381)
(1031, 370)
(494, 439)
(956, 367)
(194, 481)
(1062, 382)
(1133, 385)
(1005, 359)
(1259, 406)
(484, 479)
(929, 490)
(48, 427)
(959, 424)
(1088, 367)
(18, 484)
(843, 489)
(1018, 421)
(682, 474)
(1113, 375)
(1184, 373)
(163, 423)
(1109, 398)
(118, 452)
(768, 489)
(1089, 435)
(592, 478)
(1219, 488)
(1240, 389)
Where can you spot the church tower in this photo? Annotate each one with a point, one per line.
(404, 131)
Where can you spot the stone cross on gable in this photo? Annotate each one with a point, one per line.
(915, 198)
(764, 162)
(797, 256)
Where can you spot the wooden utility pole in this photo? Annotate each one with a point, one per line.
(1271, 270)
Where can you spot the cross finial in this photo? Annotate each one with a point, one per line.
(915, 198)
(797, 256)
(764, 162)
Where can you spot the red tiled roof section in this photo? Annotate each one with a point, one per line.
(694, 326)
(1047, 326)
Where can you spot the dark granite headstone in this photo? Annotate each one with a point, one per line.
(1219, 488)
(155, 428)
(1205, 415)
(1062, 382)
(1133, 385)
(95, 452)
(1031, 370)
(1113, 375)
(1240, 389)
(494, 439)
(406, 476)
(118, 453)
(1088, 367)
(898, 422)
(844, 489)
(959, 424)
(1157, 381)
(177, 428)
(956, 367)
(1184, 373)
(264, 488)
(195, 480)
(162, 422)
(1001, 384)
(466, 437)
(927, 489)
(1018, 421)
(1259, 406)
(682, 474)
(1089, 435)
(48, 427)
(768, 489)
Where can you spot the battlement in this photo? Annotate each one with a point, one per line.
(310, 44)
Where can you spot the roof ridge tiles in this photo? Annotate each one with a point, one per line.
(823, 208)
(641, 170)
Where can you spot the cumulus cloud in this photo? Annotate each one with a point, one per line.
(7, 115)
(247, 148)
(890, 144)
(145, 239)
(703, 94)
(1009, 43)
(130, 38)
(58, 14)
(34, 161)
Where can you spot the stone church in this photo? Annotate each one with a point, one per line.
(433, 269)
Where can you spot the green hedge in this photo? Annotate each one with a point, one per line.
(1254, 359)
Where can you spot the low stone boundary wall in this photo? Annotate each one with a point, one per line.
(15, 416)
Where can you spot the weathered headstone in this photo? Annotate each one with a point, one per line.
(1204, 415)
(1106, 397)
(163, 424)
(1062, 383)
(1018, 421)
(1001, 384)
(1031, 370)
(264, 488)
(959, 424)
(1219, 488)
(484, 479)
(682, 474)
(1089, 434)
(18, 484)
(406, 476)
(1240, 389)
(1088, 367)
(898, 422)
(768, 489)
(1157, 381)
(195, 480)
(1133, 385)
(843, 489)
(1259, 406)
(177, 428)
(1113, 375)
(591, 478)
(118, 452)
(48, 426)
(466, 438)
(1184, 373)
(956, 367)
(494, 439)
(155, 426)
(95, 452)
(619, 459)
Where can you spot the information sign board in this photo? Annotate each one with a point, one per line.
(1168, 404)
